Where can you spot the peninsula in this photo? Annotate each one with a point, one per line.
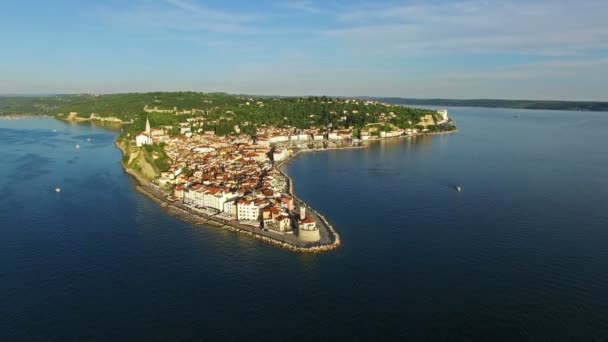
(215, 159)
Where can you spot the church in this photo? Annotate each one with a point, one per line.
(145, 137)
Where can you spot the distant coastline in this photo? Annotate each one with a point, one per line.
(589, 106)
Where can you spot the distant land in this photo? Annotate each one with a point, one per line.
(593, 106)
(46, 104)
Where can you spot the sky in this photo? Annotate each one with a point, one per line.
(467, 49)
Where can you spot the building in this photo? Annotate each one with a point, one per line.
(216, 197)
(145, 137)
(307, 227)
(287, 202)
(283, 223)
(444, 116)
(247, 210)
(334, 136)
(279, 155)
(279, 138)
(230, 208)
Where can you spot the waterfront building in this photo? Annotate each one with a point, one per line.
(247, 210)
(444, 116)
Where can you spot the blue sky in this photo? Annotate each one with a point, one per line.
(450, 49)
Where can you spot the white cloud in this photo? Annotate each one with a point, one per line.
(183, 16)
(303, 5)
(547, 28)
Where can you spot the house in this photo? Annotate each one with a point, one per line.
(307, 224)
(178, 192)
(247, 210)
(391, 134)
(195, 195)
(334, 136)
(203, 149)
(279, 138)
(444, 116)
(263, 142)
(283, 222)
(287, 202)
(230, 208)
(279, 155)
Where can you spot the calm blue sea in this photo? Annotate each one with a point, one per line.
(521, 254)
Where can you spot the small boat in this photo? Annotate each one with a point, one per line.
(77, 146)
(89, 139)
(458, 188)
(57, 189)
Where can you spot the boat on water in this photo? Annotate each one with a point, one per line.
(57, 189)
(89, 139)
(458, 188)
(77, 146)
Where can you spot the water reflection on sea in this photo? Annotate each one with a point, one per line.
(519, 254)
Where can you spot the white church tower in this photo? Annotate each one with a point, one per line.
(144, 138)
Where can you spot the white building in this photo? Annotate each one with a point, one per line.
(279, 138)
(334, 136)
(444, 116)
(279, 155)
(195, 196)
(216, 198)
(203, 149)
(144, 138)
(230, 208)
(247, 210)
(391, 134)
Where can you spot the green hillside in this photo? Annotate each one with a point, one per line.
(221, 111)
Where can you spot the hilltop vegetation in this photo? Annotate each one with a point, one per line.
(222, 112)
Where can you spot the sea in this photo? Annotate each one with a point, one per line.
(519, 254)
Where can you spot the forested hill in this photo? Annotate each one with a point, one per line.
(222, 112)
(514, 104)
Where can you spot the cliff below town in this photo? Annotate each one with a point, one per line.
(138, 161)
